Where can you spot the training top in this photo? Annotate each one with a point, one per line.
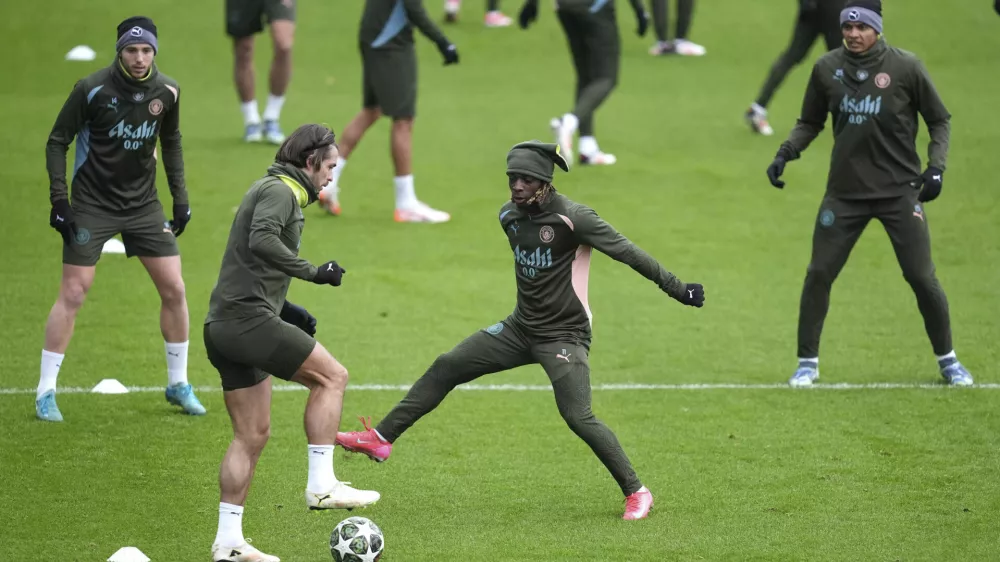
(116, 120)
(262, 254)
(388, 24)
(874, 99)
(552, 250)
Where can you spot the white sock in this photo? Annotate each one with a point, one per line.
(940, 358)
(230, 531)
(405, 195)
(757, 108)
(177, 362)
(273, 109)
(380, 436)
(809, 360)
(569, 123)
(332, 187)
(588, 146)
(250, 114)
(321, 478)
(50, 372)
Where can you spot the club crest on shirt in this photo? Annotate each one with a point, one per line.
(882, 80)
(155, 107)
(138, 96)
(547, 234)
(862, 75)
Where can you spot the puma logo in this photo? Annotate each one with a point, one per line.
(59, 219)
(937, 177)
(691, 293)
(561, 356)
(235, 553)
(329, 267)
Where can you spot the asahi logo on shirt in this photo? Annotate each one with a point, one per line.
(538, 258)
(859, 110)
(133, 136)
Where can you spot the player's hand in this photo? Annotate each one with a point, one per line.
(529, 13)
(694, 295)
(299, 317)
(643, 21)
(329, 274)
(182, 216)
(449, 52)
(61, 219)
(775, 170)
(932, 180)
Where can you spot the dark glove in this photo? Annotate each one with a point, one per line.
(299, 317)
(329, 274)
(932, 180)
(529, 13)
(996, 6)
(182, 216)
(643, 20)
(61, 219)
(694, 295)
(775, 170)
(449, 52)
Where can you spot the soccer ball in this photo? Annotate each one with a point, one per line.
(356, 539)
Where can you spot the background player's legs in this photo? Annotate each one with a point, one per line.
(565, 128)
(838, 227)
(569, 371)
(282, 37)
(601, 57)
(681, 44)
(348, 141)
(904, 219)
(245, 80)
(480, 354)
(660, 19)
(494, 17)
(250, 412)
(76, 282)
(802, 39)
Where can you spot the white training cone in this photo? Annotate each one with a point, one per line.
(128, 554)
(110, 386)
(113, 246)
(81, 52)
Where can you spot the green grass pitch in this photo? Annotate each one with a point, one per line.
(738, 473)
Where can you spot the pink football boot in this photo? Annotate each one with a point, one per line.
(367, 442)
(638, 505)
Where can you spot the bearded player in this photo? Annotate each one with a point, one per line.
(116, 115)
(552, 239)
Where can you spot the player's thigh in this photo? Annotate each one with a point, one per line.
(905, 220)
(803, 36)
(393, 79)
(279, 10)
(571, 23)
(603, 45)
(499, 347)
(321, 368)
(267, 344)
(148, 235)
(250, 411)
(560, 359)
(244, 18)
(92, 231)
(839, 224)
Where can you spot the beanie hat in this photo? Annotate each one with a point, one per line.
(868, 12)
(536, 159)
(135, 30)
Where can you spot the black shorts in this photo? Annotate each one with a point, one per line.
(246, 17)
(390, 81)
(145, 235)
(246, 351)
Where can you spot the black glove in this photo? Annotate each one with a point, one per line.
(449, 52)
(329, 274)
(643, 20)
(932, 180)
(996, 6)
(299, 317)
(61, 219)
(529, 13)
(775, 170)
(694, 295)
(182, 215)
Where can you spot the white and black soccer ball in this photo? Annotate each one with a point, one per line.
(356, 539)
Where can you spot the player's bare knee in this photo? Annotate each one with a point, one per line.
(243, 51)
(283, 47)
(72, 294)
(172, 293)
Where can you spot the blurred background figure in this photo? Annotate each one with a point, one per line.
(493, 18)
(680, 44)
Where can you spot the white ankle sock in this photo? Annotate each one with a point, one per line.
(569, 123)
(332, 187)
(809, 360)
(230, 531)
(250, 114)
(50, 372)
(405, 194)
(760, 110)
(588, 146)
(177, 362)
(272, 111)
(940, 358)
(321, 477)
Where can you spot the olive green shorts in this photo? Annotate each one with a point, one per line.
(147, 235)
(246, 17)
(390, 81)
(247, 351)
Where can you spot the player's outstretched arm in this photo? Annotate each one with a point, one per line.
(594, 231)
(70, 120)
(274, 208)
(417, 15)
(809, 125)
